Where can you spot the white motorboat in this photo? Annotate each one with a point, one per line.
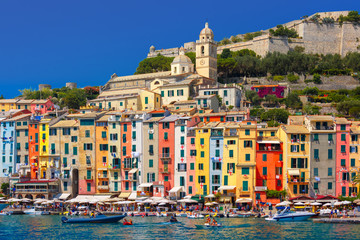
(32, 211)
(289, 216)
(195, 215)
(162, 214)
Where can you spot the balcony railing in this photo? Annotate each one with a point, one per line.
(88, 179)
(165, 155)
(216, 133)
(230, 134)
(103, 187)
(164, 170)
(324, 128)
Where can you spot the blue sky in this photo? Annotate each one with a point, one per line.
(55, 42)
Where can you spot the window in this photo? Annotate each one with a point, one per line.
(124, 151)
(216, 166)
(104, 147)
(352, 162)
(330, 137)
(316, 137)
(125, 127)
(329, 171)
(124, 138)
(192, 166)
(134, 135)
(74, 139)
(330, 154)
(343, 137)
(354, 138)
(182, 128)
(180, 92)
(103, 134)
(264, 157)
(316, 186)
(190, 190)
(182, 167)
(66, 148)
(231, 142)
(202, 154)
(170, 93)
(182, 140)
(217, 153)
(162, 94)
(166, 136)
(146, 100)
(231, 153)
(182, 153)
(166, 125)
(295, 189)
(88, 174)
(247, 144)
(87, 146)
(166, 178)
(245, 186)
(151, 149)
(329, 185)
(182, 181)
(343, 162)
(316, 172)
(264, 171)
(247, 157)
(245, 171)
(201, 166)
(87, 133)
(247, 132)
(202, 141)
(88, 187)
(343, 189)
(225, 93)
(151, 163)
(66, 131)
(151, 136)
(192, 140)
(342, 127)
(316, 153)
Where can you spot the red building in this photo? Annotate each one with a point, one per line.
(269, 167)
(34, 147)
(42, 106)
(128, 183)
(166, 152)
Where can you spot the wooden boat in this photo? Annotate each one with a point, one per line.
(97, 219)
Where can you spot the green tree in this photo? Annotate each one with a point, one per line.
(156, 64)
(314, 91)
(2, 96)
(276, 114)
(226, 53)
(293, 101)
(192, 56)
(5, 187)
(284, 31)
(226, 66)
(75, 98)
(312, 110)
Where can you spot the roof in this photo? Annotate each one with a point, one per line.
(25, 101)
(41, 101)
(295, 129)
(65, 123)
(342, 121)
(263, 86)
(354, 130)
(320, 118)
(140, 76)
(19, 117)
(104, 118)
(205, 96)
(38, 181)
(185, 102)
(154, 119)
(170, 118)
(296, 120)
(8, 101)
(86, 115)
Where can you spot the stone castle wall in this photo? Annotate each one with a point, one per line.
(318, 38)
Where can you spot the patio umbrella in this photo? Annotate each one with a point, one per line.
(187, 197)
(316, 204)
(337, 204)
(215, 203)
(210, 196)
(327, 205)
(356, 201)
(346, 202)
(208, 204)
(148, 201)
(299, 204)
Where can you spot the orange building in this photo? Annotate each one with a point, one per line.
(269, 167)
(102, 149)
(34, 147)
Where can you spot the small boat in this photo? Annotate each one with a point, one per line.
(179, 214)
(207, 225)
(127, 223)
(97, 219)
(196, 215)
(162, 214)
(32, 211)
(289, 216)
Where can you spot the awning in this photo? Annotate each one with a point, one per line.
(64, 196)
(294, 172)
(124, 195)
(90, 198)
(175, 189)
(144, 185)
(133, 196)
(134, 170)
(227, 188)
(243, 200)
(268, 141)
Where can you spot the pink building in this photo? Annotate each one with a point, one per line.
(342, 165)
(191, 155)
(42, 106)
(263, 90)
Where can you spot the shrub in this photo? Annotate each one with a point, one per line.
(292, 78)
(275, 193)
(317, 78)
(278, 78)
(308, 80)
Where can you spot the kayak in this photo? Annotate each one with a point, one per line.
(127, 223)
(96, 219)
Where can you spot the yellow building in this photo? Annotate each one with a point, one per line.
(172, 92)
(102, 161)
(296, 157)
(267, 132)
(7, 104)
(246, 172)
(202, 162)
(130, 99)
(24, 104)
(230, 160)
(44, 162)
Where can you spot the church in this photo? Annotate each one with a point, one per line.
(155, 90)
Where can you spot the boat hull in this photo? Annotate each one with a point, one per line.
(289, 218)
(97, 219)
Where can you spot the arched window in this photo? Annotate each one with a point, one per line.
(202, 50)
(157, 83)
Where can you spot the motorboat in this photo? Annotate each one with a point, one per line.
(195, 215)
(179, 214)
(289, 216)
(33, 211)
(208, 225)
(100, 218)
(325, 212)
(162, 214)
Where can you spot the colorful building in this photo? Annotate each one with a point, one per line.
(34, 146)
(264, 90)
(41, 106)
(101, 152)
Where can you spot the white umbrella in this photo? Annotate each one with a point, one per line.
(13, 200)
(148, 201)
(337, 203)
(162, 204)
(208, 204)
(215, 203)
(299, 204)
(243, 200)
(210, 196)
(346, 202)
(187, 197)
(327, 205)
(284, 203)
(316, 204)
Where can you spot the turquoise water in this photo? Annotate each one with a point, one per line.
(50, 227)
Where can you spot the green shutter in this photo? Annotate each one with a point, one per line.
(316, 153)
(330, 153)
(329, 171)
(231, 153)
(264, 157)
(182, 140)
(74, 150)
(352, 162)
(225, 180)
(66, 148)
(245, 186)
(202, 141)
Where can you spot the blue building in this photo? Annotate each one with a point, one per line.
(7, 148)
(216, 158)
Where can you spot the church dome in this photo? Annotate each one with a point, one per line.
(207, 33)
(182, 58)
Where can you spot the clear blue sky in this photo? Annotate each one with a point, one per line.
(45, 41)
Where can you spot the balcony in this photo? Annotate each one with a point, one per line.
(218, 133)
(103, 187)
(144, 194)
(322, 128)
(260, 188)
(88, 179)
(231, 134)
(269, 147)
(166, 156)
(164, 170)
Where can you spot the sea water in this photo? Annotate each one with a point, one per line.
(23, 227)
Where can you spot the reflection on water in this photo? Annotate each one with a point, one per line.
(50, 227)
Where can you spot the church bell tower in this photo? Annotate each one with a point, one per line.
(206, 54)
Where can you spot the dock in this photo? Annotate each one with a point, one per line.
(352, 220)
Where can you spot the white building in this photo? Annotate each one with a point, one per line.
(230, 94)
